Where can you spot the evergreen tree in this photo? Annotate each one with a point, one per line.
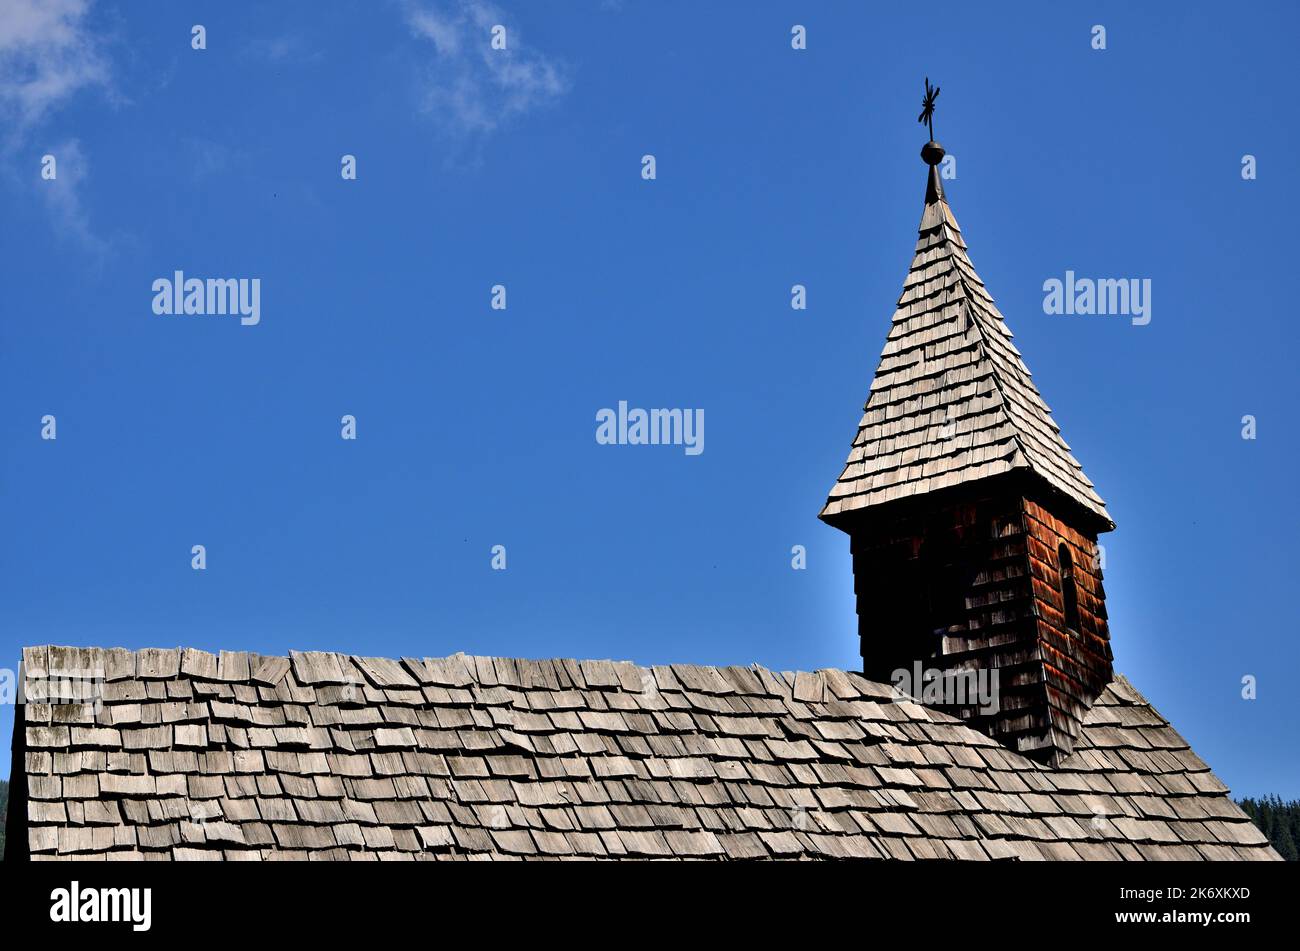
(1279, 821)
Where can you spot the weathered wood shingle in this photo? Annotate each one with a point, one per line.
(495, 757)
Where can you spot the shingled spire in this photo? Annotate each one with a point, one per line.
(973, 529)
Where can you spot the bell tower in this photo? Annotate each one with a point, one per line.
(973, 530)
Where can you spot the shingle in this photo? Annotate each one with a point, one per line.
(44, 737)
(436, 837)
(316, 667)
(119, 664)
(197, 663)
(383, 672)
(693, 843)
(600, 674)
(270, 670)
(234, 666)
(705, 680)
(76, 663)
(402, 738)
(36, 662)
(112, 784)
(101, 737)
(810, 688)
(158, 664)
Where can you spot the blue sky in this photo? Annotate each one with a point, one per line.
(476, 427)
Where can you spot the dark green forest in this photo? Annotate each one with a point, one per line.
(1278, 820)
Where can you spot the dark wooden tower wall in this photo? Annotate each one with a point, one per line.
(1070, 605)
(970, 580)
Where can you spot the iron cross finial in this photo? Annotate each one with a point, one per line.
(927, 106)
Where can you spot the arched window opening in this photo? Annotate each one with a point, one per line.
(1069, 593)
(946, 581)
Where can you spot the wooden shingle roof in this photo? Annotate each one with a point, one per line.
(952, 401)
(189, 755)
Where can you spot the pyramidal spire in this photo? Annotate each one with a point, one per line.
(952, 401)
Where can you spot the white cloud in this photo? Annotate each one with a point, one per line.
(289, 49)
(208, 157)
(432, 25)
(47, 53)
(62, 196)
(470, 87)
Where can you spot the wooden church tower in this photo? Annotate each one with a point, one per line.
(973, 529)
